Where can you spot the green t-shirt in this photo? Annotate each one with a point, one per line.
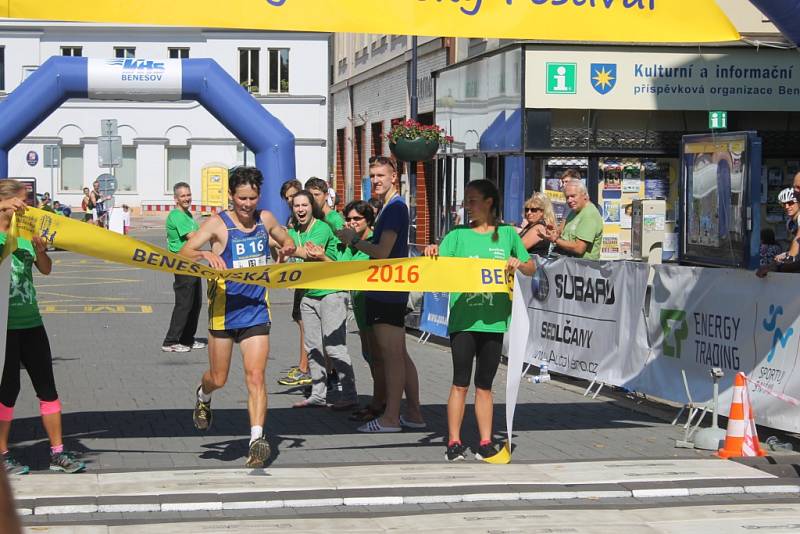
(179, 225)
(23, 309)
(320, 234)
(481, 312)
(335, 220)
(586, 225)
(358, 298)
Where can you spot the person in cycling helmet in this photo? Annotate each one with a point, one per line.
(787, 261)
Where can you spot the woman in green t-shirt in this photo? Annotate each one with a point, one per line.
(27, 343)
(478, 320)
(324, 311)
(360, 216)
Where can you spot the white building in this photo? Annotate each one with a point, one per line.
(165, 142)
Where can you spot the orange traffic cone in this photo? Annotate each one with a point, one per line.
(742, 438)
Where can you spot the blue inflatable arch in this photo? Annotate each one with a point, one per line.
(137, 80)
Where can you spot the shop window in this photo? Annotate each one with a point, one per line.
(177, 166)
(126, 173)
(72, 51)
(279, 70)
(248, 69)
(72, 168)
(124, 51)
(178, 53)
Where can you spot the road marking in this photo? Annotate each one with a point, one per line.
(82, 297)
(95, 308)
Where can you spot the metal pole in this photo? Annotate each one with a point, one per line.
(412, 166)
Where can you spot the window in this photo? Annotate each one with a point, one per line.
(279, 70)
(177, 166)
(248, 69)
(74, 51)
(244, 156)
(71, 168)
(126, 173)
(2, 68)
(178, 53)
(124, 52)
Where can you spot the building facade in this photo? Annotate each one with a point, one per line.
(165, 142)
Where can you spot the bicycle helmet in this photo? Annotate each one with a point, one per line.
(787, 195)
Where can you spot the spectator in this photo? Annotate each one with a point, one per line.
(538, 217)
(319, 189)
(376, 205)
(61, 209)
(87, 205)
(583, 229)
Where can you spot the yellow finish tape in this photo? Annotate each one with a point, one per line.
(630, 21)
(447, 275)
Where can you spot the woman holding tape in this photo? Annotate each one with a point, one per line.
(478, 320)
(324, 311)
(27, 343)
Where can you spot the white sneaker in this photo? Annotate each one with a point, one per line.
(199, 345)
(177, 347)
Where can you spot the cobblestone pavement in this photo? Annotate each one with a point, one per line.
(127, 405)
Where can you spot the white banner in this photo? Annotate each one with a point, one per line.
(704, 318)
(118, 79)
(582, 318)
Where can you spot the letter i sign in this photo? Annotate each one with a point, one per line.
(561, 78)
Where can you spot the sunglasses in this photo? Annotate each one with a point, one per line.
(528, 210)
(348, 219)
(790, 203)
(382, 160)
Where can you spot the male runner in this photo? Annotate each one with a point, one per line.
(238, 313)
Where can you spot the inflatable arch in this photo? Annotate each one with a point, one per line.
(140, 80)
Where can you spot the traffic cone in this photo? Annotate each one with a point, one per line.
(741, 438)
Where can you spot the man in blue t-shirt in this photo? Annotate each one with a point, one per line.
(386, 310)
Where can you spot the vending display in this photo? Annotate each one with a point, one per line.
(721, 189)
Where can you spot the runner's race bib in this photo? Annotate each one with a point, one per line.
(249, 251)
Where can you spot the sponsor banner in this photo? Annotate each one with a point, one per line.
(470, 275)
(703, 318)
(649, 21)
(435, 313)
(582, 318)
(643, 79)
(148, 79)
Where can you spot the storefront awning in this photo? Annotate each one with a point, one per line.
(785, 14)
(612, 21)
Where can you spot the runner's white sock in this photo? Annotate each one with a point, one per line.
(202, 395)
(255, 433)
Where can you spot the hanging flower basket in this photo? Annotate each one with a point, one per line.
(411, 141)
(414, 149)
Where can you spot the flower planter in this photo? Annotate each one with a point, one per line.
(414, 149)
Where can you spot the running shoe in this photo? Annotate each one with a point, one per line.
(177, 347)
(66, 463)
(202, 413)
(258, 454)
(455, 452)
(297, 379)
(485, 452)
(197, 345)
(13, 467)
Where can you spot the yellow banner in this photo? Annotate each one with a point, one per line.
(613, 21)
(406, 274)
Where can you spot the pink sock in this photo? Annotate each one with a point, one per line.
(451, 443)
(58, 449)
(486, 442)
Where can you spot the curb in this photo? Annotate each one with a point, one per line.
(194, 502)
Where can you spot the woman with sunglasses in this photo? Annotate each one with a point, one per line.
(360, 216)
(539, 216)
(478, 320)
(324, 311)
(386, 310)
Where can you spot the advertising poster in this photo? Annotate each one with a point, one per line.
(656, 180)
(625, 250)
(625, 213)
(631, 179)
(610, 247)
(612, 178)
(611, 211)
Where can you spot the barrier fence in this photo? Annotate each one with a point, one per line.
(595, 320)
